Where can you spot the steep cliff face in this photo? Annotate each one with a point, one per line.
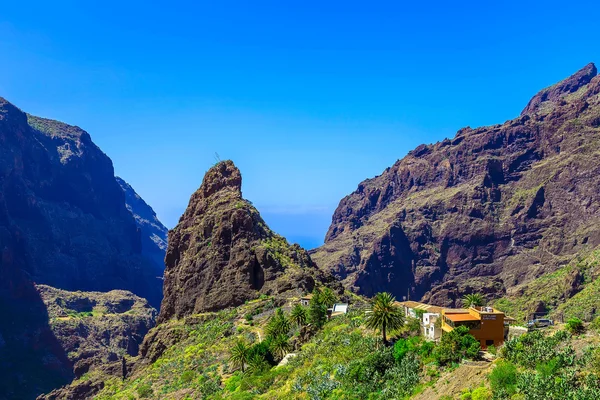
(63, 222)
(222, 253)
(154, 233)
(492, 208)
(62, 201)
(96, 328)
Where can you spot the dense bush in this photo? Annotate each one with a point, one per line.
(456, 345)
(535, 348)
(575, 326)
(503, 379)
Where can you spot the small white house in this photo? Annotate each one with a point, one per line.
(305, 300)
(429, 314)
(429, 329)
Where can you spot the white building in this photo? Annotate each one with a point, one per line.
(429, 315)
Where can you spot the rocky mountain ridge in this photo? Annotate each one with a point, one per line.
(486, 211)
(221, 253)
(154, 233)
(63, 223)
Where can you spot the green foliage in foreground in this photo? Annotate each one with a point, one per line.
(538, 366)
(220, 356)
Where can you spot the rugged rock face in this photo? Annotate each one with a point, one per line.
(97, 328)
(63, 222)
(222, 253)
(492, 208)
(154, 233)
(59, 194)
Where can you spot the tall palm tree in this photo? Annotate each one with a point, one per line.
(473, 300)
(384, 315)
(257, 363)
(328, 298)
(278, 324)
(299, 315)
(280, 345)
(240, 354)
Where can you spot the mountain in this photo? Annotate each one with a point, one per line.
(61, 199)
(221, 253)
(154, 233)
(63, 223)
(486, 211)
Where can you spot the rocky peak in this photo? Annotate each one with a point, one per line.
(485, 211)
(224, 176)
(222, 253)
(557, 91)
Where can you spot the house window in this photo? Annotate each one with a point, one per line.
(489, 342)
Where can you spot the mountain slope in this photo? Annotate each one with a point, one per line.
(154, 233)
(492, 208)
(221, 253)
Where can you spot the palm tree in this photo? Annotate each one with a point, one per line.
(280, 345)
(257, 363)
(384, 314)
(473, 300)
(299, 315)
(240, 355)
(278, 324)
(328, 298)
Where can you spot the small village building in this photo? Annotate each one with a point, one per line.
(486, 324)
(428, 316)
(337, 309)
(305, 300)
(432, 329)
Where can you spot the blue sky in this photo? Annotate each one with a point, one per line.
(308, 98)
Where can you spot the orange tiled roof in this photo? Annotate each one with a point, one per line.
(461, 317)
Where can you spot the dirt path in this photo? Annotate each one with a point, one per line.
(467, 376)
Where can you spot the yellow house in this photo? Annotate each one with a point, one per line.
(486, 324)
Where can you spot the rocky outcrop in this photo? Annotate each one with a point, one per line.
(97, 328)
(485, 211)
(154, 233)
(60, 196)
(64, 223)
(221, 253)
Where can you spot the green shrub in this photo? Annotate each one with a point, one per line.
(456, 345)
(595, 325)
(575, 326)
(492, 350)
(144, 390)
(481, 393)
(503, 379)
(548, 368)
(187, 376)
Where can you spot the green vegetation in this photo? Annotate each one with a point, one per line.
(456, 345)
(317, 311)
(549, 290)
(299, 315)
(575, 326)
(473, 300)
(539, 366)
(240, 354)
(384, 315)
(221, 356)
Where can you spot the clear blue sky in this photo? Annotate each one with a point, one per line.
(308, 98)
